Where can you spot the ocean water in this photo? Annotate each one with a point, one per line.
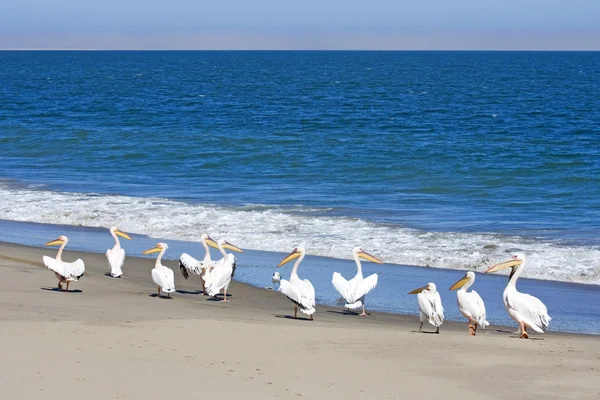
(439, 159)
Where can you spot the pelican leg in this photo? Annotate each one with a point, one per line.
(311, 317)
(420, 326)
(224, 295)
(475, 325)
(158, 291)
(67, 286)
(524, 334)
(437, 330)
(363, 313)
(60, 286)
(472, 327)
(295, 312)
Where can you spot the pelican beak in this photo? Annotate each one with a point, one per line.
(122, 234)
(55, 242)
(155, 249)
(230, 246)
(419, 290)
(462, 282)
(503, 265)
(210, 241)
(369, 257)
(293, 255)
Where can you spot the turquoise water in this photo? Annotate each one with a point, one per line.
(442, 159)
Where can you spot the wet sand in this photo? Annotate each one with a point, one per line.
(112, 338)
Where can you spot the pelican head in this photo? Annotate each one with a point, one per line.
(297, 252)
(117, 232)
(429, 287)
(223, 243)
(469, 276)
(157, 248)
(360, 252)
(513, 262)
(58, 242)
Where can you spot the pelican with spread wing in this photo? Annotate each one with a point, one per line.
(64, 271)
(220, 276)
(525, 309)
(470, 304)
(116, 255)
(355, 290)
(189, 265)
(430, 305)
(300, 292)
(162, 276)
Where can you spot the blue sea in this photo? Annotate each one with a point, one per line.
(449, 160)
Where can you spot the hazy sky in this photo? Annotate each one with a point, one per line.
(300, 24)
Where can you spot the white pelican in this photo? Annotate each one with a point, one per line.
(276, 279)
(523, 308)
(161, 275)
(189, 265)
(64, 271)
(300, 292)
(355, 290)
(116, 255)
(470, 303)
(430, 305)
(220, 276)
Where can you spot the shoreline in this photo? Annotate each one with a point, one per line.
(168, 256)
(114, 334)
(95, 263)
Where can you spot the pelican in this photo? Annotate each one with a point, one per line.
(220, 276)
(64, 271)
(430, 305)
(300, 292)
(189, 265)
(355, 290)
(276, 279)
(470, 303)
(116, 255)
(527, 310)
(161, 275)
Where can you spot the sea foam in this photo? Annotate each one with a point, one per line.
(272, 228)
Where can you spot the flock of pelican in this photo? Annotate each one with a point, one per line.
(216, 275)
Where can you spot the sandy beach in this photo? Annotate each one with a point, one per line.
(112, 338)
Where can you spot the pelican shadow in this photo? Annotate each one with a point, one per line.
(55, 289)
(290, 317)
(189, 291)
(160, 297)
(345, 312)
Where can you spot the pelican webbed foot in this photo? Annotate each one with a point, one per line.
(471, 330)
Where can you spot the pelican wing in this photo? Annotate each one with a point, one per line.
(301, 293)
(471, 305)
(430, 305)
(342, 285)
(482, 315)
(533, 312)
(365, 286)
(164, 278)
(72, 271)
(188, 264)
(116, 259)
(220, 276)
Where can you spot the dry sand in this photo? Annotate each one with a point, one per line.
(111, 339)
